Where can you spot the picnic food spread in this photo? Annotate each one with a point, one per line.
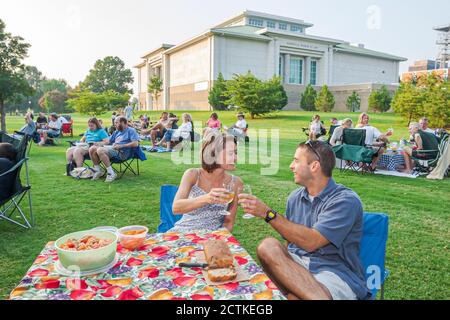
(149, 272)
(220, 261)
(88, 242)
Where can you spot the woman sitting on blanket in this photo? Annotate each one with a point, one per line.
(202, 198)
(94, 135)
(172, 136)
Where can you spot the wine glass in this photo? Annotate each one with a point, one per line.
(228, 195)
(247, 189)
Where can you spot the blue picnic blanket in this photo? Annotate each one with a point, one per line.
(157, 149)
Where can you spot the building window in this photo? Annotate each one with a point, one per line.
(270, 24)
(296, 71)
(313, 73)
(282, 26)
(296, 28)
(255, 22)
(280, 67)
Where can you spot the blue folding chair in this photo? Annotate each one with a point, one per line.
(373, 251)
(167, 217)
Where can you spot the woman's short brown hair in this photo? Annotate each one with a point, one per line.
(213, 142)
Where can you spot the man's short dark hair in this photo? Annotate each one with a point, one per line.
(325, 155)
(7, 151)
(122, 119)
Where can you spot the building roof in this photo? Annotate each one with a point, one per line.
(367, 52)
(164, 46)
(241, 31)
(264, 15)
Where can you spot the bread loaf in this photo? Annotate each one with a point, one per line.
(218, 254)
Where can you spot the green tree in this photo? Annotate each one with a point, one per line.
(408, 101)
(255, 96)
(95, 104)
(47, 85)
(155, 87)
(436, 103)
(108, 74)
(54, 101)
(353, 102)
(325, 100)
(217, 96)
(308, 98)
(380, 100)
(13, 82)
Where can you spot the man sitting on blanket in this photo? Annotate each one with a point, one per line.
(323, 229)
(120, 147)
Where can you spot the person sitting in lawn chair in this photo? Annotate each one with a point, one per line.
(173, 136)
(239, 128)
(41, 121)
(374, 138)
(160, 128)
(7, 161)
(323, 228)
(316, 128)
(120, 147)
(336, 138)
(203, 197)
(28, 129)
(417, 144)
(95, 135)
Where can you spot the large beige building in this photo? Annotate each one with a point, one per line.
(266, 45)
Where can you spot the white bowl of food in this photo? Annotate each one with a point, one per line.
(86, 250)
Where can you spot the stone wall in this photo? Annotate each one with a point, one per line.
(340, 93)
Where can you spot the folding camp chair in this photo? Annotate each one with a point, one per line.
(373, 251)
(67, 129)
(166, 215)
(11, 203)
(426, 159)
(353, 150)
(128, 164)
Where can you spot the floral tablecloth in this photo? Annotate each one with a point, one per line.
(151, 272)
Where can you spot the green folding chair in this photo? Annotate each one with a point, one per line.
(425, 160)
(357, 157)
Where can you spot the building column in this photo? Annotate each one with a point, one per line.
(148, 94)
(166, 81)
(307, 71)
(287, 66)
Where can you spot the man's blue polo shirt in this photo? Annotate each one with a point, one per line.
(337, 214)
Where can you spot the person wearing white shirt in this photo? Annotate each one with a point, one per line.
(52, 130)
(173, 136)
(374, 137)
(239, 128)
(423, 122)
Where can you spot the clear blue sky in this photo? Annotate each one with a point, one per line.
(68, 36)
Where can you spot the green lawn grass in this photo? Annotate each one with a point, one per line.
(418, 245)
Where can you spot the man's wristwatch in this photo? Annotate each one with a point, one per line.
(270, 215)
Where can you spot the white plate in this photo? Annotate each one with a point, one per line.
(69, 273)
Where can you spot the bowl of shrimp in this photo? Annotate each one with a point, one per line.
(86, 250)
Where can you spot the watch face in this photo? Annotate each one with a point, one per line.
(271, 214)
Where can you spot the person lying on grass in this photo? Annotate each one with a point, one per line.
(207, 196)
(323, 229)
(94, 135)
(120, 147)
